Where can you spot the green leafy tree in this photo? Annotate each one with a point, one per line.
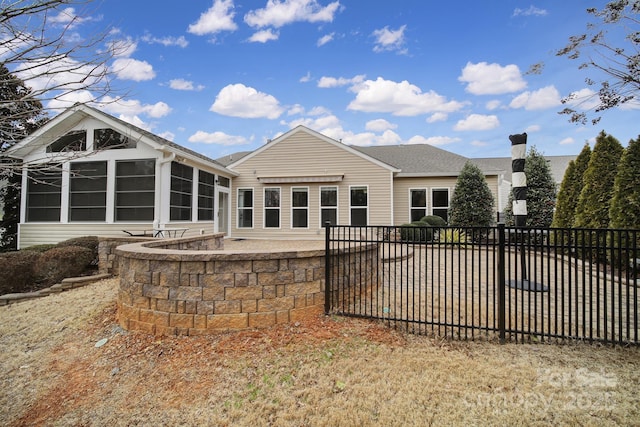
(592, 210)
(541, 192)
(22, 114)
(609, 47)
(624, 211)
(472, 203)
(570, 190)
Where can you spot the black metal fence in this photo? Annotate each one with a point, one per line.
(514, 284)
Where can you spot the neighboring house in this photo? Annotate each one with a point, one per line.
(113, 176)
(557, 165)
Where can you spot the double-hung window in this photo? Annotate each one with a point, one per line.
(135, 190)
(88, 191)
(300, 207)
(359, 205)
(272, 207)
(181, 192)
(440, 203)
(245, 208)
(328, 205)
(418, 200)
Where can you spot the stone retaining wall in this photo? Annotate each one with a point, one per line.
(190, 286)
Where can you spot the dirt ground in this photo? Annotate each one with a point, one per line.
(329, 371)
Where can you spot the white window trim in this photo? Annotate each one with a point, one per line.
(253, 205)
(359, 207)
(448, 190)
(426, 197)
(336, 207)
(299, 207)
(264, 209)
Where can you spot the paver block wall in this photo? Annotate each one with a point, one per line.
(167, 290)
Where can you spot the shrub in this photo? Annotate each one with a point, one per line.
(62, 262)
(434, 221)
(89, 242)
(416, 232)
(17, 271)
(41, 248)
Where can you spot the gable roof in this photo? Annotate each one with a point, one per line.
(74, 115)
(557, 164)
(301, 128)
(424, 160)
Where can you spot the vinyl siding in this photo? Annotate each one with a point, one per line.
(402, 186)
(304, 155)
(41, 233)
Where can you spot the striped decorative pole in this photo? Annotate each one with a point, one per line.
(518, 178)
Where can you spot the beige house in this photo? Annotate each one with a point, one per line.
(290, 186)
(113, 178)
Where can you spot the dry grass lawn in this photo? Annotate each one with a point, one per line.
(329, 371)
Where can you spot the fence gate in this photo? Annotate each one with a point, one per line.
(511, 284)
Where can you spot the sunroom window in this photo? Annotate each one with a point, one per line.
(44, 195)
(104, 139)
(135, 190)
(75, 140)
(88, 191)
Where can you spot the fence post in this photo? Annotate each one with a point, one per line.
(502, 288)
(327, 268)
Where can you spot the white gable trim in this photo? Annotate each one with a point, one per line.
(301, 128)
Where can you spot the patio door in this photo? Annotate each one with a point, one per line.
(223, 212)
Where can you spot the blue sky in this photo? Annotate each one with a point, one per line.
(227, 75)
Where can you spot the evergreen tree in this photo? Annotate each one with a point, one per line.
(472, 203)
(624, 211)
(541, 192)
(20, 114)
(570, 190)
(592, 210)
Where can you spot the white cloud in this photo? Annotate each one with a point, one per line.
(325, 39)
(584, 99)
(389, 40)
(166, 41)
(541, 99)
(167, 135)
(567, 141)
(68, 99)
(238, 100)
(478, 143)
(328, 82)
(133, 107)
(181, 84)
(306, 78)
(493, 105)
(328, 125)
(136, 121)
(437, 117)
(64, 74)
(532, 128)
(492, 79)
(122, 48)
(264, 36)
(432, 140)
(295, 110)
(379, 125)
(67, 17)
(399, 99)
(531, 11)
(217, 138)
(477, 122)
(217, 18)
(133, 69)
(279, 13)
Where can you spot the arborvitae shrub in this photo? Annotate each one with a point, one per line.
(17, 271)
(62, 262)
